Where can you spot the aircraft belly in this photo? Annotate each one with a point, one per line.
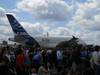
(47, 44)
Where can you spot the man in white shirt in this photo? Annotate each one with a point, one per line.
(95, 60)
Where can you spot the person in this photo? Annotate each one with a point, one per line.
(43, 70)
(5, 62)
(95, 60)
(36, 60)
(59, 56)
(75, 59)
(59, 59)
(33, 71)
(49, 51)
(53, 58)
(27, 62)
(44, 57)
(3, 66)
(20, 59)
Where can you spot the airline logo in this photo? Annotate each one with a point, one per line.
(21, 33)
(15, 24)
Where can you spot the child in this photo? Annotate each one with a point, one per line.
(33, 71)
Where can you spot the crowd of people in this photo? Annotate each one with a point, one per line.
(77, 60)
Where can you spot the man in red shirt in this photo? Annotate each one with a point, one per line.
(20, 58)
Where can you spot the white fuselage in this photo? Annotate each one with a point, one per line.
(50, 41)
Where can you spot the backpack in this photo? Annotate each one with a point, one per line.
(37, 57)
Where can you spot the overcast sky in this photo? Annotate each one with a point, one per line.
(58, 17)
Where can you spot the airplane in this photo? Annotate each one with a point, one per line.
(22, 37)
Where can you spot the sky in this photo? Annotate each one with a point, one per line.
(57, 17)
